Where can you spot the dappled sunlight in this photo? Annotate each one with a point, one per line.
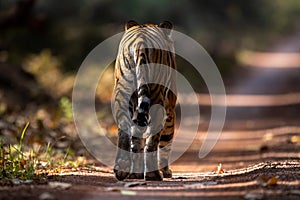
(254, 178)
(264, 134)
(237, 149)
(46, 68)
(269, 59)
(249, 100)
(262, 100)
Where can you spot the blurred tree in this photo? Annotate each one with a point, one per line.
(71, 28)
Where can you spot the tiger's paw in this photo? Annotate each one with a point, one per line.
(154, 176)
(122, 167)
(167, 172)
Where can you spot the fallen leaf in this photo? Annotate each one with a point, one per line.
(220, 169)
(262, 180)
(265, 180)
(272, 181)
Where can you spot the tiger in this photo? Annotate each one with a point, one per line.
(145, 135)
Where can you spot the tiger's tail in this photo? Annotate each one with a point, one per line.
(141, 114)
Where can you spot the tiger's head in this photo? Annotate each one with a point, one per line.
(166, 26)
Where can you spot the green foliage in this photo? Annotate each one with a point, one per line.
(72, 28)
(65, 106)
(46, 68)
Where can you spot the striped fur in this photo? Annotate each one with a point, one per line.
(141, 82)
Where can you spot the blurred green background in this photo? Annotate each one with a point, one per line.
(71, 28)
(51, 38)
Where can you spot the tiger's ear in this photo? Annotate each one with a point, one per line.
(167, 27)
(130, 24)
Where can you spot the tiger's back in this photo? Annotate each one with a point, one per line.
(144, 77)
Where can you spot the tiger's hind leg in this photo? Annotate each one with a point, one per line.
(152, 172)
(123, 158)
(137, 148)
(165, 149)
(164, 154)
(123, 161)
(166, 139)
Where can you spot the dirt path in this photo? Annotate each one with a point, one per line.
(246, 162)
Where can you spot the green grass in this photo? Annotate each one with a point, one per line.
(21, 161)
(15, 163)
